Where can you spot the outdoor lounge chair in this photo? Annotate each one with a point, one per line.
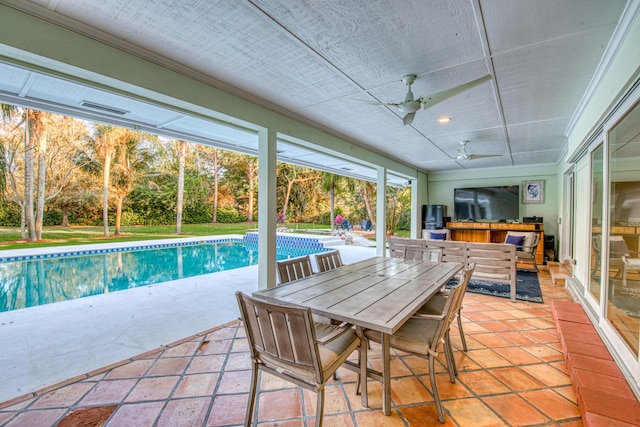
(526, 246)
(346, 225)
(285, 341)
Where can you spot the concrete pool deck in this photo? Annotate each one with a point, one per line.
(44, 345)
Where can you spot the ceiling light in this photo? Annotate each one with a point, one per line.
(106, 108)
(444, 119)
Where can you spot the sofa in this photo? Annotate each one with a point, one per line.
(494, 261)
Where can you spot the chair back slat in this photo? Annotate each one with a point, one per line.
(280, 325)
(328, 261)
(423, 254)
(294, 269)
(265, 330)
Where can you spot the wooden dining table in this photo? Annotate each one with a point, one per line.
(379, 293)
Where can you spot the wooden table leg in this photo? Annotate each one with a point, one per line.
(386, 375)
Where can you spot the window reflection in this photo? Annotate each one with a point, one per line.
(597, 177)
(623, 308)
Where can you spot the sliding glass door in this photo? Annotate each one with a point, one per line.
(623, 261)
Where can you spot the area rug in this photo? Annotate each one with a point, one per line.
(527, 287)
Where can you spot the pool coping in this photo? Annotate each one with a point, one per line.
(13, 255)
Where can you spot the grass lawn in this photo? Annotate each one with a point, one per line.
(79, 235)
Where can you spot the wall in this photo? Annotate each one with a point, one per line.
(441, 185)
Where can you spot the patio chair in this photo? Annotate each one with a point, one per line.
(346, 225)
(526, 246)
(328, 261)
(619, 257)
(629, 264)
(397, 245)
(423, 334)
(422, 254)
(435, 305)
(285, 342)
(294, 269)
(367, 225)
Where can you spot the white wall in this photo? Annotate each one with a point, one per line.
(442, 184)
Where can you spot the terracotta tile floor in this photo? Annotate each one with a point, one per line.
(513, 374)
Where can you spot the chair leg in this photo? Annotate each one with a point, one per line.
(434, 387)
(535, 264)
(252, 395)
(319, 407)
(462, 338)
(451, 362)
(361, 381)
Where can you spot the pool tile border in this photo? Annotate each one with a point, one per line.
(249, 238)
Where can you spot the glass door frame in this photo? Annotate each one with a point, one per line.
(595, 305)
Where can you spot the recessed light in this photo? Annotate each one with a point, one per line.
(444, 119)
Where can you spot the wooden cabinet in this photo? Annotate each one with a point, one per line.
(491, 232)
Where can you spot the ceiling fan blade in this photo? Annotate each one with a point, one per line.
(483, 156)
(364, 101)
(438, 97)
(408, 119)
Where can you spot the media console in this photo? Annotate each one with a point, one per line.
(493, 232)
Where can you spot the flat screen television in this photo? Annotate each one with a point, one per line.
(487, 203)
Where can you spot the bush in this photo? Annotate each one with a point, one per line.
(229, 215)
(9, 214)
(52, 218)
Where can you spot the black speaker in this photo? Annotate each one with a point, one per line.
(549, 243)
(433, 216)
(532, 220)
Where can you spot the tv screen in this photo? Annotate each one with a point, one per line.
(487, 203)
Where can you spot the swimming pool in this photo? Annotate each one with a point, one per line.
(31, 280)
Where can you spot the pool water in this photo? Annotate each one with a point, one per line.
(28, 283)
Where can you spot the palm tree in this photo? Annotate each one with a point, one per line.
(331, 183)
(107, 139)
(183, 147)
(131, 159)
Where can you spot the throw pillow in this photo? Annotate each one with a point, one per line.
(515, 240)
(437, 236)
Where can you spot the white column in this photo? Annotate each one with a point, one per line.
(267, 144)
(418, 198)
(381, 212)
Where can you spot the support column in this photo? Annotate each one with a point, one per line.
(381, 212)
(418, 198)
(267, 145)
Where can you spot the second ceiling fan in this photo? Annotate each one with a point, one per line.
(463, 155)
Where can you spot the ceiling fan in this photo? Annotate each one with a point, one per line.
(410, 105)
(463, 155)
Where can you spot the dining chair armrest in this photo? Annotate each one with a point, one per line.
(525, 248)
(333, 333)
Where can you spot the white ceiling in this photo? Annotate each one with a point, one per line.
(304, 57)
